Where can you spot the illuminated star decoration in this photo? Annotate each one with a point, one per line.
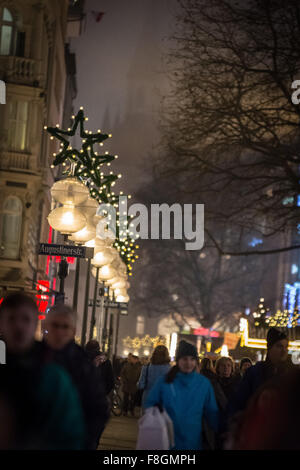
(87, 164)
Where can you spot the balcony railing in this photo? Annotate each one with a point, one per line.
(20, 70)
(15, 160)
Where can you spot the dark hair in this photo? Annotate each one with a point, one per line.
(206, 364)
(160, 355)
(16, 299)
(92, 345)
(245, 360)
(170, 377)
(92, 349)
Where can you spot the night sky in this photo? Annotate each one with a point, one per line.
(122, 77)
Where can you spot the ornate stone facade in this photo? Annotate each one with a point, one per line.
(32, 64)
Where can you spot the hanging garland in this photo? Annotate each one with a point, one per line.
(284, 319)
(146, 341)
(127, 342)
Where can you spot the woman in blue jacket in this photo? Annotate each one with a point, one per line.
(187, 397)
(159, 366)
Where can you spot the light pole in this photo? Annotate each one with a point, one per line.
(83, 237)
(76, 284)
(104, 336)
(86, 303)
(62, 274)
(93, 317)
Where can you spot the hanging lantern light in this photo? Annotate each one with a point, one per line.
(96, 242)
(90, 243)
(89, 208)
(120, 284)
(122, 298)
(119, 265)
(66, 219)
(119, 291)
(69, 191)
(86, 234)
(113, 280)
(106, 272)
(101, 242)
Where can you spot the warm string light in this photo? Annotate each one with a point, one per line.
(87, 165)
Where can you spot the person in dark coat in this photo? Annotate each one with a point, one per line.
(225, 376)
(277, 363)
(92, 349)
(210, 439)
(102, 363)
(244, 365)
(60, 346)
(271, 418)
(117, 366)
(207, 369)
(130, 375)
(104, 366)
(39, 405)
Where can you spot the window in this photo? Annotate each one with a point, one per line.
(17, 125)
(140, 325)
(255, 241)
(7, 32)
(11, 226)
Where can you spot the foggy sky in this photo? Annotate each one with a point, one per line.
(121, 77)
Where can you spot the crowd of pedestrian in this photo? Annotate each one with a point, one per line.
(230, 406)
(54, 394)
(51, 394)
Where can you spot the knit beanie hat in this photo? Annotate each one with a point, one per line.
(273, 336)
(186, 349)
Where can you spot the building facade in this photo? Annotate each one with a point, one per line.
(32, 65)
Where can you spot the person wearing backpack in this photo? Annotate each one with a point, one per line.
(187, 397)
(159, 366)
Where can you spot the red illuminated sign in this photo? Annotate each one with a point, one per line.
(206, 332)
(70, 259)
(42, 297)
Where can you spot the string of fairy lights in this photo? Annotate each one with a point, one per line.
(280, 319)
(89, 167)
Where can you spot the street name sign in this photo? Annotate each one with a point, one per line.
(122, 306)
(50, 249)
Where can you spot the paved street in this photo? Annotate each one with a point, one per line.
(119, 434)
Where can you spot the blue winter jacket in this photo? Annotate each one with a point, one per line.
(187, 400)
(149, 376)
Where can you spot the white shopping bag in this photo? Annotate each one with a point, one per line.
(155, 430)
